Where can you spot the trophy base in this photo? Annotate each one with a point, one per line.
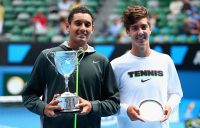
(68, 111)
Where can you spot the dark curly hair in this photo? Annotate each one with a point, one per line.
(79, 9)
(133, 14)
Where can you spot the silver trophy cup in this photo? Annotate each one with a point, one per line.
(65, 63)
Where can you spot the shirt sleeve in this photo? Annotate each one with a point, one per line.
(123, 106)
(116, 72)
(174, 87)
(35, 87)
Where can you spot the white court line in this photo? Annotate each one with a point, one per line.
(11, 99)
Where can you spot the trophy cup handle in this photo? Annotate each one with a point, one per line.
(51, 54)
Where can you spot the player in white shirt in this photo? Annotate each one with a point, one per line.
(143, 73)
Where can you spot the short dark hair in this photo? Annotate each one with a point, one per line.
(133, 14)
(79, 9)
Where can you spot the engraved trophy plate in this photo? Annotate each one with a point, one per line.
(65, 64)
(68, 102)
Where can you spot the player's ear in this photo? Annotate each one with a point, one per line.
(92, 28)
(150, 26)
(128, 32)
(67, 26)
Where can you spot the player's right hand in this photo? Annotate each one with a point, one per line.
(133, 113)
(52, 106)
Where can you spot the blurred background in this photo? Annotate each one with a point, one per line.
(29, 26)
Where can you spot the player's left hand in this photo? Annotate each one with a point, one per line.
(167, 112)
(86, 106)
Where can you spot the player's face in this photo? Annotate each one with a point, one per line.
(140, 32)
(80, 28)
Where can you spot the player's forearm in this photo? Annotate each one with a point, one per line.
(174, 100)
(34, 104)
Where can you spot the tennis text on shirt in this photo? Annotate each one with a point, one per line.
(145, 73)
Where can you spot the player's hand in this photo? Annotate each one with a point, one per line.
(133, 113)
(52, 106)
(86, 106)
(167, 112)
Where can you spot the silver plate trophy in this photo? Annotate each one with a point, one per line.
(151, 111)
(65, 63)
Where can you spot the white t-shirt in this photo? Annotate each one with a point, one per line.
(139, 78)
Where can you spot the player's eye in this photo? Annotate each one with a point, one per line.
(87, 24)
(144, 27)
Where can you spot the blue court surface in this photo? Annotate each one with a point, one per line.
(17, 117)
